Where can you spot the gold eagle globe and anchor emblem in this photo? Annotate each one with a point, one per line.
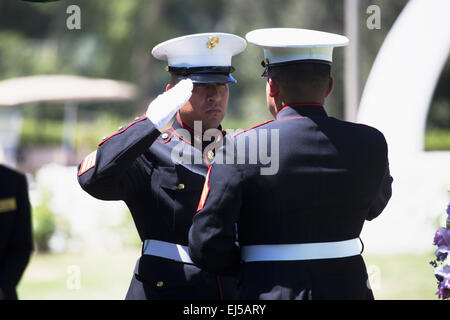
(213, 42)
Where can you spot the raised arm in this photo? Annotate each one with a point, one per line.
(105, 173)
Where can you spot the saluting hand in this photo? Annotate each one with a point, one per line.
(165, 106)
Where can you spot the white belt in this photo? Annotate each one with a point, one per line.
(167, 250)
(301, 251)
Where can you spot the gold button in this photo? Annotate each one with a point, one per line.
(136, 118)
(218, 138)
(159, 284)
(165, 135)
(120, 128)
(104, 138)
(210, 154)
(181, 186)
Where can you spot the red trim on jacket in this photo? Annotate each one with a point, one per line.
(123, 130)
(219, 284)
(168, 138)
(87, 163)
(287, 118)
(180, 137)
(205, 191)
(258, 125)
(183, 125)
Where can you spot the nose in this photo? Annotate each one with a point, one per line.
(213, 94)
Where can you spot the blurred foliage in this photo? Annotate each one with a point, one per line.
(89, 133)
(49, 132)
(130, 239)
(44, 224)
(437, 140)
(116, 38)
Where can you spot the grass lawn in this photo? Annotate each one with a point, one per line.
(107, 276)
(72, 276)
(402, 277)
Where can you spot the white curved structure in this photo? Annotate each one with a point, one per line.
(62, 88)
(396, 101)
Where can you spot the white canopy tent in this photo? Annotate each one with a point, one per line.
(68, 89)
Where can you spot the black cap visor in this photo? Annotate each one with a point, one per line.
(205, 74)
(268, 65)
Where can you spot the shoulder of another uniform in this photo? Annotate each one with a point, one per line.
(124, 128)
(372, 132)
(366, 130)
(252, 128)
(6, 171)
(363, 135)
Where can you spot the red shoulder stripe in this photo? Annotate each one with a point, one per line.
(87, 163)
(123, 130)
(287, 118)
(258, 125)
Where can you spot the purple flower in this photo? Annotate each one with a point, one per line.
(444, 288)
(448, 219)
(444, 283)
(442, 272)
(442, 237)
(443, 292)
(442, 269)
(441, 255)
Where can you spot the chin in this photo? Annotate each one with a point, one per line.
(213, 123)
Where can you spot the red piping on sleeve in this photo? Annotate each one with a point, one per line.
(238, 133)
(123, 130)
(168, 138)
(287, 118)
(219, 284)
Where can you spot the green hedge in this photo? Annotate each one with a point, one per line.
(437, 139)
(89, 134)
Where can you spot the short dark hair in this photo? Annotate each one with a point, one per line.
(302, 76)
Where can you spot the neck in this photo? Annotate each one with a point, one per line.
(282, 104)
(191, 125)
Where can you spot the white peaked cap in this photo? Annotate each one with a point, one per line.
(290, 44)
(200, 50)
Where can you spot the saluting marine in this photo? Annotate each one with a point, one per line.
(16, 239)
(298, 228)
(158, 163)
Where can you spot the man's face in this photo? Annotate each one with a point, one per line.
(208, 104)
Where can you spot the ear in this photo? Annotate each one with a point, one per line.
(330, 86)
(274, 87)
(169, 86)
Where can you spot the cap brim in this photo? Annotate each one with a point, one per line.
(208, 78)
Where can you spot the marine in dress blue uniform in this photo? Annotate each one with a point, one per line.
(298, 228)
(158, 163)
(16, 241)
